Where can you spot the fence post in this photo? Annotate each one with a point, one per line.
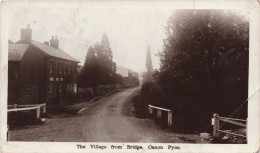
(150, 110)
(247, 131)
(15, 106)
(38, 113)
(159, 113)
(8, 133)
(169, 118)
(44, 108)
(215, 124)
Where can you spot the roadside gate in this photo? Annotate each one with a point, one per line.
(216, 128)
(37, 110)
(158, 111)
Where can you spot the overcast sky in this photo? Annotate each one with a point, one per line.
(130, 31)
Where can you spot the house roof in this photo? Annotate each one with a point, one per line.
(16, 51)
(53, 51)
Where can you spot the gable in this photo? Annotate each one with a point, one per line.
(16, 51)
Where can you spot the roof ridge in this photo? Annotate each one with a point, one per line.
(53, 51)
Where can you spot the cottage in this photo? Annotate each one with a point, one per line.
(130, 80)
(39, 72)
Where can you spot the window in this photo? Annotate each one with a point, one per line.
(51, 67)
(51, 87)
(60, 86)
(60, 68)
(64, 69)
(57, 68)
(74, 87)
(69, 69)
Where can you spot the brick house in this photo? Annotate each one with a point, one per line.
(39, 72)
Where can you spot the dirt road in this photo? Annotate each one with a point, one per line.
(103, 121)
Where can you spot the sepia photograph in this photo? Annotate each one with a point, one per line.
(97, 74)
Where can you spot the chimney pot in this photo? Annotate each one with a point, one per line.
(54, 42)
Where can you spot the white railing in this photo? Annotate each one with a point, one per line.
(37, 107)
(18, 108)
(216, 129)
(159, 112)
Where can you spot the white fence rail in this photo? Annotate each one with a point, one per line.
(20, 108)
(216, 128)
(37, 107)
(159, 112)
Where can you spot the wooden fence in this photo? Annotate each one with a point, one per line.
(159, 112)
(40, 109)
(37, 107)
(216, 128)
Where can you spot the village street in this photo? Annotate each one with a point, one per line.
(108, 120)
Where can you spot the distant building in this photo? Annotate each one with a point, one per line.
(39, 72)
(130, 81)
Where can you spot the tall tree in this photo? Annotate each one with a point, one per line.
(149, 65)
(89, 74)
(107, 56)
(106, 47)
(148, 75)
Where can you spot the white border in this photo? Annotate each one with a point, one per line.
(254, 73)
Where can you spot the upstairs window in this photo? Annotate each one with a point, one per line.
(57, 68)
(60, 86)
(69, 69)
(51, 67)
(60, 68)
(51, 87)
(64, 69)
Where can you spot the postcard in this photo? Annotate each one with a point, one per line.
(130, 76)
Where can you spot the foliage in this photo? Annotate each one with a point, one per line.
(149, 65)
(204, 63)
(151, 93)
(99, 68)
(148, 75)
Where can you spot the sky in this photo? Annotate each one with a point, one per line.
(130, 30)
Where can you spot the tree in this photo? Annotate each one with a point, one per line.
(89, 74)
(99, 67)
(149, 65)
(106, 47)
(204, 62)
(148, 75)
(107, 58)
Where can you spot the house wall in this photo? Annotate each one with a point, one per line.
(61, 80)
(13, 82)
(32, 76)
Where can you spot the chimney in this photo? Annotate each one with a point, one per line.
(54, 42)
(26, 34)
(130, 74)
(46, 43)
